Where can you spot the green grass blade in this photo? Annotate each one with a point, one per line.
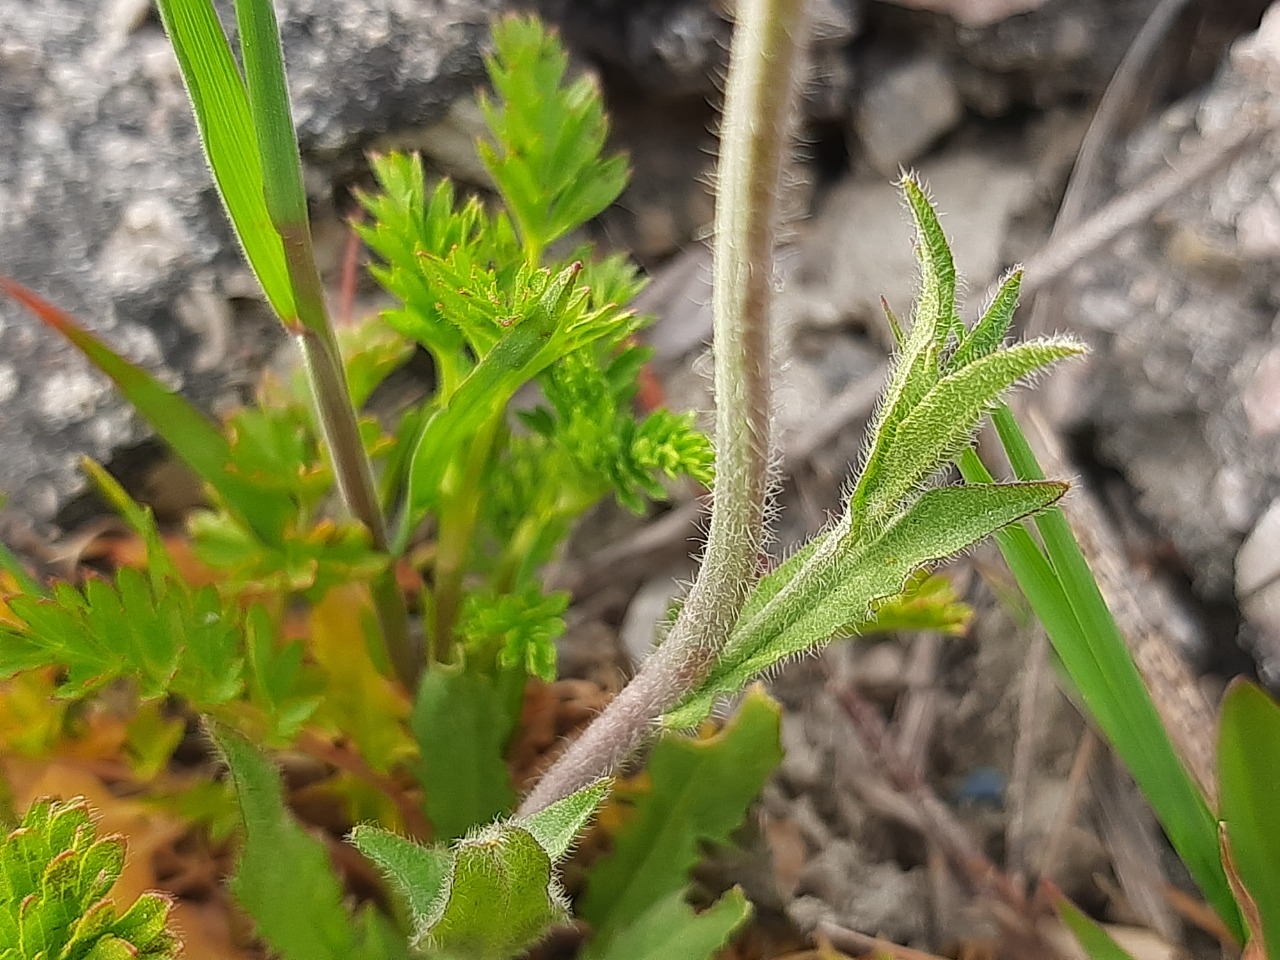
(221, 105)
(1098, 944)
(190, 434)
(1249, 760)
(272, 116)
(1061, 588)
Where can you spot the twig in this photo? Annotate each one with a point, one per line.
(845, 939)
(1117, 101)
(918, 706)
(936, 819)
(1024, 754)
(1129, 829)
(1063, 252)
(1067, 812)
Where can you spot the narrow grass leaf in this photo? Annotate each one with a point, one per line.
(221, 105)
(284, 879)
(268, 95)
(1098, 944)
(1249, 786)
(188, 432)
(1061, 589)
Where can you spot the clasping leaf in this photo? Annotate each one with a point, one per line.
(945, 378)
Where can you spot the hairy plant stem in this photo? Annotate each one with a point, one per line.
(755, 143)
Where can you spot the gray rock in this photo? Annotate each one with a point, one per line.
(858, 246)
(107, 208)
(1181, 391)
(904, 109)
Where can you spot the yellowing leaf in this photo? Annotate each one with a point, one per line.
(359, 701)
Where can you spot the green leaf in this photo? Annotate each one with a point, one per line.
(283, 879)
(272, 116)
(941, 424)
(671, 929)
(928, 603)
(834, 589)
(157, 631)
(187, 431)
(1098, 944)
(700, 792)
(462, 724)
(935, 308)
(556, 827)
(221, 104)
(55, 874)
(989, 332)
(548, 135)
(419, 873)
(1249, 798)
(498, 872)
(530, 345)
(491, 896)
(1065, 597)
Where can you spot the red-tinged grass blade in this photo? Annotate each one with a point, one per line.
(221, 105)
(1249, 788)
(1060, 587)
(193, 437)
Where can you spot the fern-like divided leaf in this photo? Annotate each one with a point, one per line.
(945, 378)
(55, 873)
(547, 137)
(483, 290)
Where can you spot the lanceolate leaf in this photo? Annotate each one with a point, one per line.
(187, 431)
(835, 590)
(221, 105)
(558, 826)
(284, 879)
(989, 332)
(941, 423)
(419, 873)
(936, 303)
